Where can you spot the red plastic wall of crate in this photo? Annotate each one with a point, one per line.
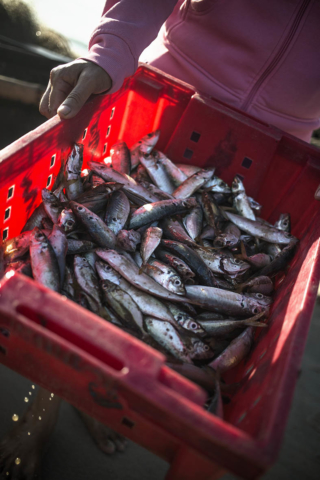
(159, 409)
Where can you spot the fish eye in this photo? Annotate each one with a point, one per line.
(237, 261)
(179, 317)
(259, 295)
(114, 219)
(80, 208)
(69, 223)
(206, 347)
(255, 310)
(177, 282)
(193, 325)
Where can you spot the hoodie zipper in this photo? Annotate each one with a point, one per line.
(280, 53)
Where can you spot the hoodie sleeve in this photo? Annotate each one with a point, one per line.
(126, 28)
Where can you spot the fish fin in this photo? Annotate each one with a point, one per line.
(251, 323)
(243, 251)
(142, 268)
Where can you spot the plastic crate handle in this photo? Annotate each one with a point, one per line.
(38, 315)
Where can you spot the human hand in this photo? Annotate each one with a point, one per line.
(70, 86)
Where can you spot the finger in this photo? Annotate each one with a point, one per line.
(44, 102)
(77, 97)
(59, 92)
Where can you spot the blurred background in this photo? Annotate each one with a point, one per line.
(36, 36)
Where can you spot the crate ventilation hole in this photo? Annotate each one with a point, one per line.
(10, 192)
(49, 180)
(246, 162)
(112, 113)
(84, 134)
(5, 233)
(7, 214)
(108, 131)
(53, 160)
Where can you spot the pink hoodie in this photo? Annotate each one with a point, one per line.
(262, 57)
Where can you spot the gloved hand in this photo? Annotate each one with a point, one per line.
(70, 86)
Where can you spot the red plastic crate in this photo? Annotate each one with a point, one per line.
(111, 375)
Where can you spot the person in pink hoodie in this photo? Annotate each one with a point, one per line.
(260, 57)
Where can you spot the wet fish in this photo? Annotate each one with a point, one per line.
(73, 183)
(52, 205)
(59, 243)
(148, 304)
(45, 268)
(67, 220)
(192, 222)
(100, 233)
(284, 222)
(121, 158)
(96, 198)
(179, 265)
(145, 145)
(240, 199)
(174, 230)
(131, 273)
(128, 240)
(185, 320)
(79, 246)
(117, 211)
(35, 220)
(216, 185)
(151, 212)
(193, 259)
(87, 279)
(264, 232)
(176, 175)
(165, 276)
(123, 304)
(130, 186)
(235, 352)
(167, 336)
(157, 172)
(192, 184)
(261, 284)
(218, 328)
(150, 240)
(188, 170)
(223, 301)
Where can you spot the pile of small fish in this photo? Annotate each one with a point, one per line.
(169, 253)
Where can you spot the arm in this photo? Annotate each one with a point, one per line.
(126, 28)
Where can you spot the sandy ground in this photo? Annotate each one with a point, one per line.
(72, 454)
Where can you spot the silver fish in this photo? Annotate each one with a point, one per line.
(130, 186)
(218, 328)
(235, 352)
(73, 184)
(45, 268)
(67, 220)
(59, 243)
(128, 240)
(173, 171)
(100, 233)
(150, 241)
(148, 304)
(51, 204)
(157, 173)
(192, 222)
(87, 279)
(184, 319)
(240, 199)
(165, 276)
(223, 301)
(123, 305)
(120, 157)
(151, 212)
(131, 273)
(166, 335)
(145, 145)
(117, 211)
(264, 232)
(192, 184)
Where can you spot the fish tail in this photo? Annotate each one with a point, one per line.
(253, 323)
